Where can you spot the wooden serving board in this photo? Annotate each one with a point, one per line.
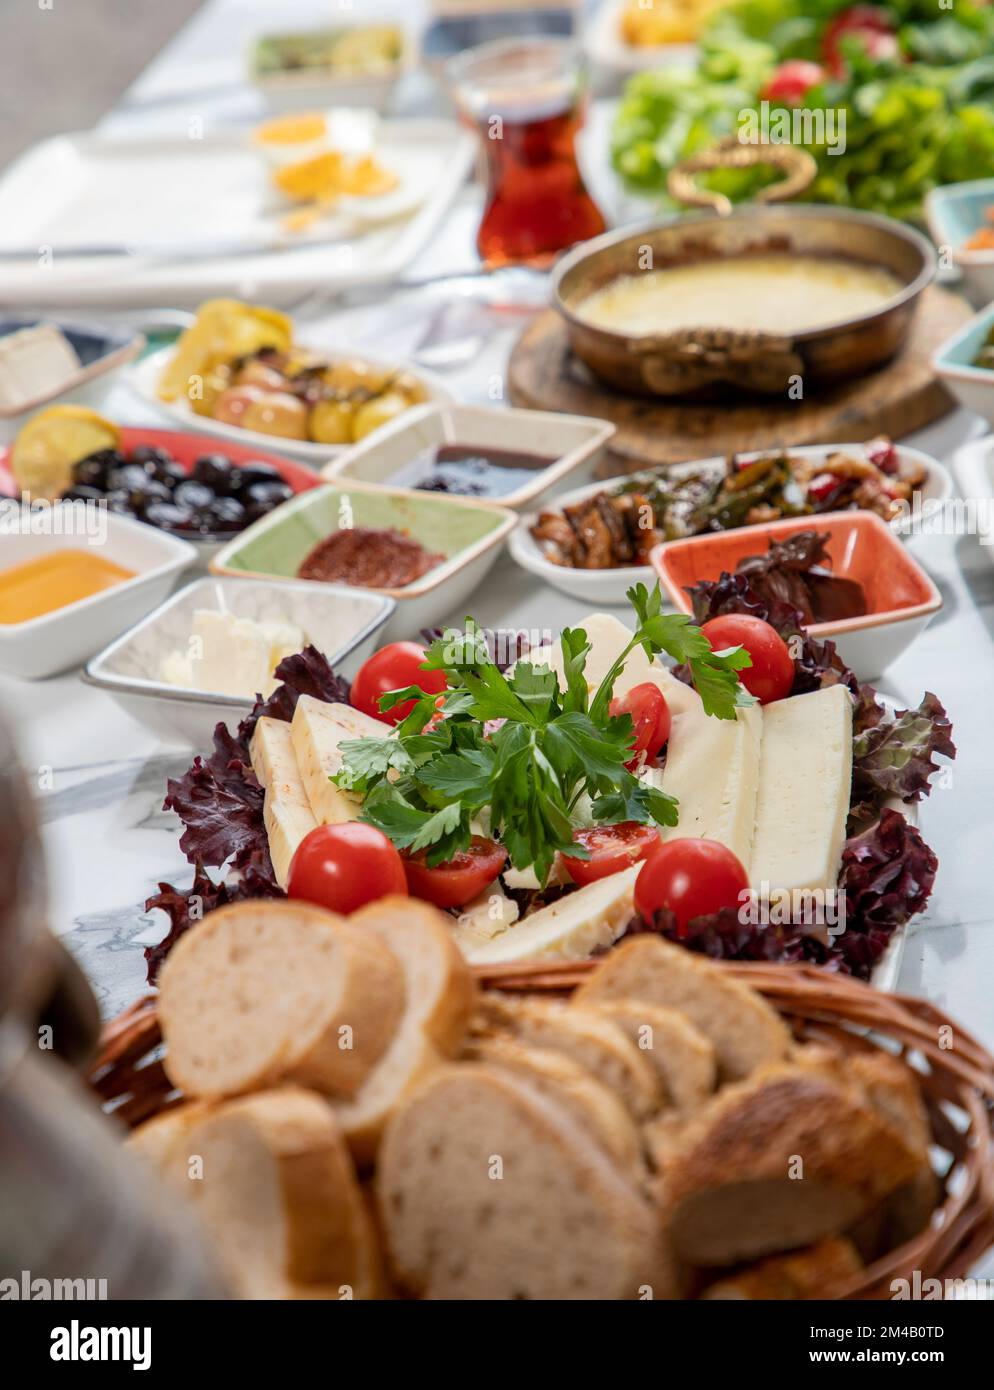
(901, 397)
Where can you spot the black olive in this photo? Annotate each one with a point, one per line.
(91, 471)
(170, 472)
(130, 478)
(227, 514)
(119, 501)
(255, 472)
(152, 492)
(169, 516)
(260, 498)
(150, 453)
(79, 492)
(113, 458)
(215, 471)
(192, 494)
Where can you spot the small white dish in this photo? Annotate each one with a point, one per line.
(609, 586)
(574, 443)
(954, 212)
(65, 637)
(606, 48)
(973, 466)
(307, 88)
(102, 353)
(972, 386)
(342, 623)
(467, 533)
(144, 376)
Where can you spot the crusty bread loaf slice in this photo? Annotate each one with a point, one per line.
(155, 1140)
(263, 992)
(775, 1162)
(441, 996)
(684, 1059)
(746, 1032)
(820, 1271)
(589, 1038)
(606, 1118)
(270, 1177)
(490, 1190)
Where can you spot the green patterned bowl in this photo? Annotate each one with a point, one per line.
(467, 532)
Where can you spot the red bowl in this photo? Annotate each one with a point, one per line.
(186, 449)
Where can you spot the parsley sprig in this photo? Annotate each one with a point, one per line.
(517, 755)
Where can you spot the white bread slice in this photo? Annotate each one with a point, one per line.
(270, 1177)
(490, 1190)
(155, 1140)
(262, 992)
(554, 1074)
(572, 927)
(819, 1271)
(746, 1032)
(682, 1056)
(780, 1160)
(441, 996)
(589, 1038)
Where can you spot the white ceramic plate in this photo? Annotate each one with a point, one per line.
(341, 622)
(609, 586)
(390, 456)
(143, 378)
(89, 189)
(605, 48)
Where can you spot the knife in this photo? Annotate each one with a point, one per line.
(160, 252)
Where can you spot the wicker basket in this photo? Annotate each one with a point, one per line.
(955, 1072)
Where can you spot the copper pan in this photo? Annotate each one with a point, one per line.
(706, 361)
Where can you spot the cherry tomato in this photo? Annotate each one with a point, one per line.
(822, 486)
(792, 81)
(771, 675)
(691, 878)
(392, 668)
(650, 713)
(883, 454)
(459, 880)
(612, 848)
(869, 26)
(342, 867)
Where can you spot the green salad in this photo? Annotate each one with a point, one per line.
(911, 86)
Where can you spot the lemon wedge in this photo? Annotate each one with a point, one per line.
(45, 450)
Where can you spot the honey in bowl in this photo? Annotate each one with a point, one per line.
(50, 582)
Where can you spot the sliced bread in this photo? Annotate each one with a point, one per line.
(271, 1180)
(263, 992)
(440, 998)
(555, 1075)
(783, 1159)
(745, 1031)
(684, 1060)
(490, 1190)
(589, 1038)
(820, 1271)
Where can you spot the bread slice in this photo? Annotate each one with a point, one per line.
(555, 1075)
(155, 1140)
(820, 1271)
(271, 1180)
(745, 1031)
(490, 1190)
(684, 1060)
(783, 1159)
(263, 992)
(587, 1037)
(440, 998)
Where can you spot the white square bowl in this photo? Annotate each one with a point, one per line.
(972, 386)
(389, 457)
(59, 640)
(342, 623)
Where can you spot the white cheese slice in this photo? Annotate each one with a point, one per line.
(35, 362)
(286, 810)
(804, 788)
(568, 929)
(484, 919)
(712, 768)
(317, 730)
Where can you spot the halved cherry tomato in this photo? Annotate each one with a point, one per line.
(771, 675)
(650, 713)
(343, 867)
(869, 25)
(459, 880)
(792, 81)
(822, 486)
(691, 878)
(612, 848)
(392, 668)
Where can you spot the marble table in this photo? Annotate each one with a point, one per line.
(100, 776)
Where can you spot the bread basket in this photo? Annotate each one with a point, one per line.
(955, 1072)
